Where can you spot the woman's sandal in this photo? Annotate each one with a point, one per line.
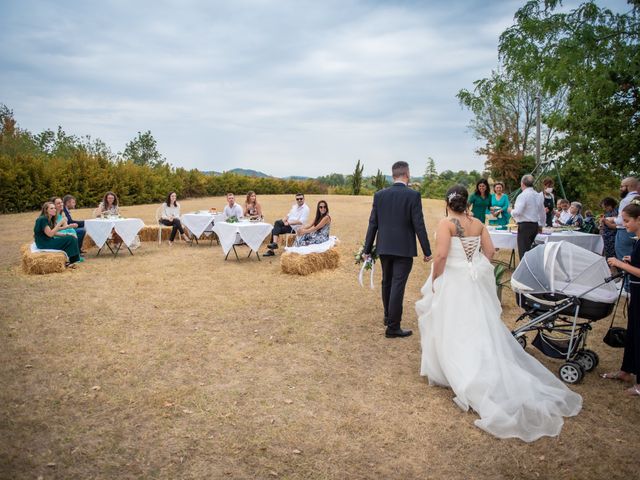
(619, 375)
(633, 391)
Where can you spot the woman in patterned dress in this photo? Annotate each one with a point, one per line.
(318, 231)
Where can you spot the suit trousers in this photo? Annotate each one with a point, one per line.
(395, 272)
(527, 232)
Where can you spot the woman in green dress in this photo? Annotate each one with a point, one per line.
(499, 206)
(46, 230)
(480, 200)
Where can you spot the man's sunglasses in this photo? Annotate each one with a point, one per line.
(299, 198)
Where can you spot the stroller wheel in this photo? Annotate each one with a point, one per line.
(587, 359)
(571, 372)
(522, 340)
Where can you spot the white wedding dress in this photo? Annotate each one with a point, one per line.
(466, 346)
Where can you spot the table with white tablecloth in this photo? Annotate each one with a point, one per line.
(99, 229)
(251, 233)
(589, 241)
(197, 222)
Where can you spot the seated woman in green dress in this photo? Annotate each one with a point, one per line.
(46, 234)
(480, 200)
(499, 206)
(70, 228)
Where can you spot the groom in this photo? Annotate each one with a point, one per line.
(396, 216)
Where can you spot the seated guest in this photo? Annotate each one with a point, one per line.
(575, 220)
(480, 201)
(549, 200)
(108, 205)
(68, 204)
(608, 232)
(289, 223)
(170, 217)
(252, 208)
(562, 213)
(589, 224)
(318, 231)
(499, 206)
(232, 209)
(68, 229)
(46, 234)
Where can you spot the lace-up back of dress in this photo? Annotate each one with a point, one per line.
(469, 244)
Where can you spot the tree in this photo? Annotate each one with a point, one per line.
(594, 55)
(356, 179)
(142, 150)
(379, 181)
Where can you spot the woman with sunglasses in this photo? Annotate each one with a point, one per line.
(318, 231)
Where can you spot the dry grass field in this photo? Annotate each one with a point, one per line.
(173, 363)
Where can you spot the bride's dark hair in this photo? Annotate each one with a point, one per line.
(456, 198)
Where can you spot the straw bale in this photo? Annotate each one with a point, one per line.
(149, 233)
(42, 262)
(296, 264)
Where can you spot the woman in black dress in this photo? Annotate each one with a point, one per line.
(631, 265)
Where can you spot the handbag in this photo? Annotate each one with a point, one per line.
(615, 336)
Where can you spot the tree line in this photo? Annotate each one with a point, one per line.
(34, 167)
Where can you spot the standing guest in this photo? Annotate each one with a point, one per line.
(232, 209)
(624, 240)
(296, 217)
(318, 231)
(549, 200)
(499, 206)
(171, 217)
(396, 220)
(69, 203)
(610, 207)
(46, 234)
(630, 264)
(575, 220)
(480, 201)
(108, 205)
(562, 213)
(529, 212)
(252, 208)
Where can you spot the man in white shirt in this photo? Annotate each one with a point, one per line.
(529, 212)
(624, 240)
(296, 217)
(232, 209)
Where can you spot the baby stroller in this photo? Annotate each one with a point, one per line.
(556, 284)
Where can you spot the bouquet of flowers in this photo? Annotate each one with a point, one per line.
(232, 219)
(367, 263)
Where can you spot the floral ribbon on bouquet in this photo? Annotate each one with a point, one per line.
(368, 263)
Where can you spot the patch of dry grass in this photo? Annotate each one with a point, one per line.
(176, 364)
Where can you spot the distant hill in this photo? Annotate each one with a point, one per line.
(248, 172)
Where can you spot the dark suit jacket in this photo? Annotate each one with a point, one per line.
(396, 217)
(67, 214)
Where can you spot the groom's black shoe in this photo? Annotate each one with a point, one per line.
(397, 333)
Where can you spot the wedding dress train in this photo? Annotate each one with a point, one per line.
(466, 346)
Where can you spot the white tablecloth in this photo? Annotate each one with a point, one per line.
(197, 223)
(252, 233)
(506, 239)
(99, 229)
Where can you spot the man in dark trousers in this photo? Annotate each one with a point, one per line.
(396, 218)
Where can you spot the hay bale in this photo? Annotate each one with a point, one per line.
(88, 243)
(42, 263)
(296, 264)
(149, 233)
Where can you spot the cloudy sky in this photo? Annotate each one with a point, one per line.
(285, 87)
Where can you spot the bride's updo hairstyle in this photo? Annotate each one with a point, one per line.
(456, 198)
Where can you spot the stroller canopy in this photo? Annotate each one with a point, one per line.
(562, 267)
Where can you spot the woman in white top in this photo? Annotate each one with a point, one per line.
(171, 217)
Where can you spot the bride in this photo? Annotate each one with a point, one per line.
(466, 346)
